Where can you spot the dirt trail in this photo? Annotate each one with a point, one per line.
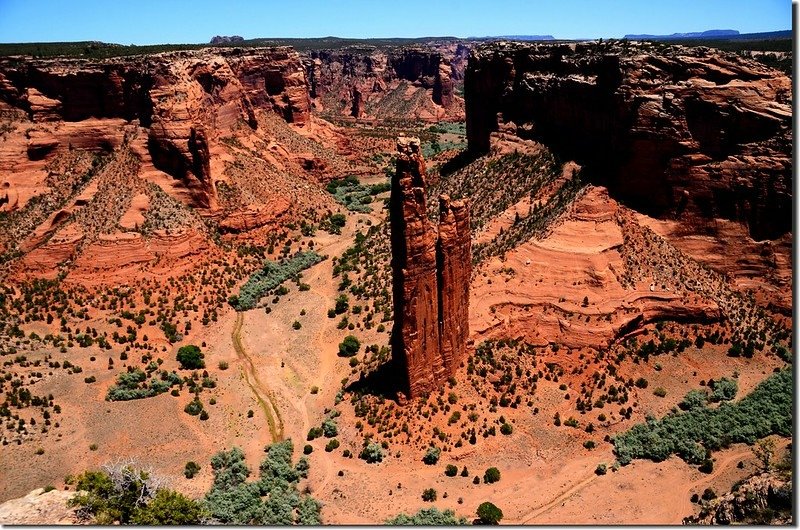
(261, 393)
(569, 492)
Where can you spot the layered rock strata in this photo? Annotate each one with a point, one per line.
(184, 101)
(376, 83)
(688, 133)
(431, 273)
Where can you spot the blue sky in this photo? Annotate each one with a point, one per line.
(193, 21)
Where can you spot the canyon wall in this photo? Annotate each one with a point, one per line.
(185, 101)
(406, 82)
(431, 273)
(688, 133)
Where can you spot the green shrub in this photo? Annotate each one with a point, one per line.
(271, 276)
(190, 357)
(194, 407)
(331, 445)
(723, 390)
(491, 475)
(371, 453)
(506, 429)
(273, 499)
(169, 508)
(307, 449)
(489, 514)
(349, 346)
(429, 495)
(601, 469)
(659, 392)
(191, 469)
(329, 428)
(694, 399)
(450, 470)
(428, 517)
(432, 455)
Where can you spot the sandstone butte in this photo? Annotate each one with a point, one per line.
(431, 278)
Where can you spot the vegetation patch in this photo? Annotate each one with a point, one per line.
(272, 275)
(133, 384)
(691, 434)
(354, 195)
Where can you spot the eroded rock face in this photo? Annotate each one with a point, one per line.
(431, 274)
(369, 83)
(183, 99)
(684, 132)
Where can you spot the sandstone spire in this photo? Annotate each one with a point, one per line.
(430, 278)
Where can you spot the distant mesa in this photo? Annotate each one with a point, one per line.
(516, 37)
(224, 39)
(709, 34)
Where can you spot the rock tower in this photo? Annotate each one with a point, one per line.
(431, 272)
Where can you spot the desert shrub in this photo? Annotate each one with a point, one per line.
(331, 445)
(194, 407)
(169, 508)
(766, 410)
(491, 475)
(125, 494)
(489, 514)
(329, 428)
(308, 449)
(450, 470)
(506, 429)
(191, 469)
(428, 517)
(723, 390)
(349, 346)
(694, 399)
(313, 433)
(429, 495)
(190, 357)
(372, 453)
(272, 499)
(132, 385)
(601, 469)
(270, 276)
(707, 466)
(432, 455)
(641, 382)
(659, 392)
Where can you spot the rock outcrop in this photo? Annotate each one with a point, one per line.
(431, 274)
(690, 133)
(184, 100)
(374, 83)
(764, 499)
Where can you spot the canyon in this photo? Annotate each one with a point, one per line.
(537, 248)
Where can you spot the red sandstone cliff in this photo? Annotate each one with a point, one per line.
(431, 273)
(186, 101)
(682, 132)
(396, 83)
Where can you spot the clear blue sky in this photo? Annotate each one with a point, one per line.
(195, 21)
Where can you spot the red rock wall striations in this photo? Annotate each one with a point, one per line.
(431, 274)
(689, 133)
